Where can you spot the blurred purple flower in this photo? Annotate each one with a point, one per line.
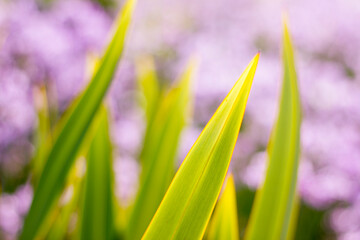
(43, 47)
(126, 179)
(345, 221)
(16, 109)
(13, 208)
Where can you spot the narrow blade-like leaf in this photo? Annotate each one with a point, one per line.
(69, 139)
(274, 200)
(43, 133)
(59, 229)
(159, 154)
(224, 223)
(97, 219)
(188, 203)
(294, 215)
(148, 85)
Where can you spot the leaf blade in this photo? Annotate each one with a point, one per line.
(224, 223)
(75, 182)
(183, 213)
(74, 129)
(160, 153)
(97, 219)
(274, 201)
(43, 132)
(149, 87)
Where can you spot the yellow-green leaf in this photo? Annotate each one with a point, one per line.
(224, 223)
(294, 214)
(159, 154)
(97, 218)
(148, 85)
(150, 95)
(274, 201)
(68, 141)
(188, 203)
(43, 133)
(60, 228)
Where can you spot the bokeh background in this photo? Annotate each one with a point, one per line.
(49, 42)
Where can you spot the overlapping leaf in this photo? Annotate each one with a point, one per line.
(149, 86)
(68, 204)
(188, 203)
(69, 139)
(43, 133)
(275, 200)
(97, 218)
(294, 214)
(159, 153)
(224, 223)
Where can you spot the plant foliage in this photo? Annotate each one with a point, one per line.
(168, 205)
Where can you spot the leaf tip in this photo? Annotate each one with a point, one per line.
(254, 62)
(285, 24)
(253, 65)
(256, 57)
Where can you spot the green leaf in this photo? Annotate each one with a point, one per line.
(97, 219)
(159, 154)
(224, 223)
(43, 133)
(188, 203)
(275, 199)
(149, 86)
(59, 228)
(294, 215)
(68, 141)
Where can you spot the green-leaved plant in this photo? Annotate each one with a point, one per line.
(274, 202)
(166, 206)
(67, 143)
(160, 147)
(97, 212)
(188, 203)
(224, 223)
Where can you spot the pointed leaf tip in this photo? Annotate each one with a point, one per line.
(159, 152)
(255, 59)
(275, 200)
(73, 129)
(183, 213)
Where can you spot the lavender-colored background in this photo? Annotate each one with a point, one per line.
(50, 44)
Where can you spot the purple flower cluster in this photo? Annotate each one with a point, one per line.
(13, 208)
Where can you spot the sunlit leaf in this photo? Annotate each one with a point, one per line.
(67, 143)
(97, 219)
(274, 200)
(188, 203)
(224, 223)
(159, 154)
